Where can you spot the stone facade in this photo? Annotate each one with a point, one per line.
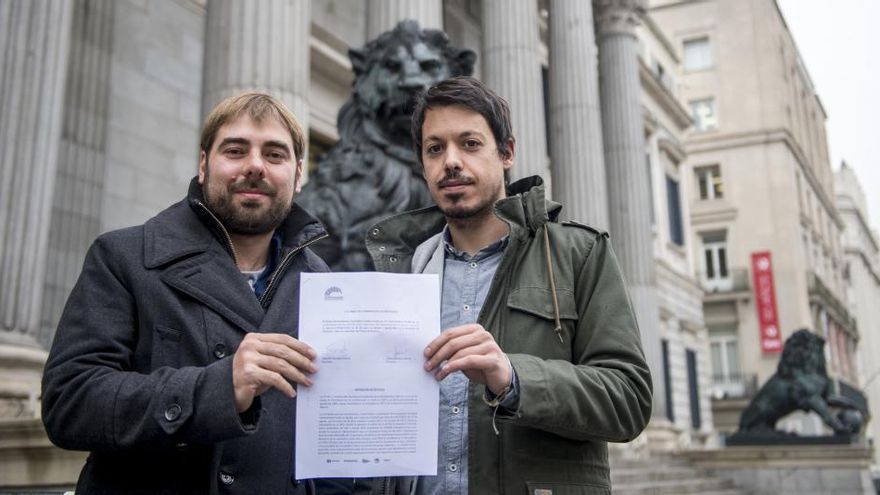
(861, 246)
(683, 334)
(758, 177)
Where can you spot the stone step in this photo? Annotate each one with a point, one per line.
(653, 473)
(652, 463)
(702, 486)
(721, 491)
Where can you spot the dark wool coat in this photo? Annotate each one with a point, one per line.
(140, 372)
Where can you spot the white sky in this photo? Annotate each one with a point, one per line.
(839, 42)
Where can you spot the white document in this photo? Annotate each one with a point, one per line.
(372, 409)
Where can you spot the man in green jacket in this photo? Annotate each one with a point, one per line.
(540, 363)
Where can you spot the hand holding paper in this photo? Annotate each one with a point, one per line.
(472, 350)
(269, 360)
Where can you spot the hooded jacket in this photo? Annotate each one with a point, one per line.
(140, 371)
(571, 335)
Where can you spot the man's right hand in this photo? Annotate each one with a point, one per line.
(265, 360)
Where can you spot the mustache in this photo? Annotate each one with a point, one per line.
(258, 185)
(454, 176)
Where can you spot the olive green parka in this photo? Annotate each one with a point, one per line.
(572, 338)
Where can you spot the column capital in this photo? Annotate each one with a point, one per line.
(618, 16)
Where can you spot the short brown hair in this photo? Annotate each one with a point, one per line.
(259, 107)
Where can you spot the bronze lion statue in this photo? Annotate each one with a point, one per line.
(800, 383)
(372, 171)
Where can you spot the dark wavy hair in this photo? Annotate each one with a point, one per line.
(470, 93)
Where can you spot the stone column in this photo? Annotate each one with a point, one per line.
(575, 120)
(79, 180)
(383, 15)
(34, 40)
(629, 191)
(512, 68)
(258, 46)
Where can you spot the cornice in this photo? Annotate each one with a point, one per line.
(672, 148)
(195, 6)
(674, 4)
(716, 142)
(661, 37)
(663, 97)
(869, 267)
(712, 214)
(855, 211)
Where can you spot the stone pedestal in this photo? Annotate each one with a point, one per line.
(28, 459)
(792, 470)
(383, 15)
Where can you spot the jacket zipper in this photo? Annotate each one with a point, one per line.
(225, 233)
(283, 265)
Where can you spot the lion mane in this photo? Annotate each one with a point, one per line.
(373, 172)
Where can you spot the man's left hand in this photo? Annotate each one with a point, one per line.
(472, 350)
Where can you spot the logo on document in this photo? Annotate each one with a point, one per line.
(333, 294)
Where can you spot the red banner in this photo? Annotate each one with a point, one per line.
(765, 296)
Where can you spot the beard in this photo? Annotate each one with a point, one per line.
(248, 218)
(484, 207)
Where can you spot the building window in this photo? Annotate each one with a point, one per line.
(717, 276)
(697, 54)
(726, 377)
(806, 243)
(693, 388)
(667, 380)
(648, 169)
(545, 92)
(673, 201)
(709, 181)
(703, 114)
(809, 204)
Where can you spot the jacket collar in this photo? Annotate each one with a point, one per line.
(525, 209)
(188, 227)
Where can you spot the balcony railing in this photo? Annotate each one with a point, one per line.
(734, 386)
(737, 280)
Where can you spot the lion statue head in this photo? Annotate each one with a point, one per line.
(372, 171)
(804, 352)
(390, 71)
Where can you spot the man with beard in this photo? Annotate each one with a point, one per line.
(540, 363)
(176, 357)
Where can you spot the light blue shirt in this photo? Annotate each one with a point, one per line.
(466, 281)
